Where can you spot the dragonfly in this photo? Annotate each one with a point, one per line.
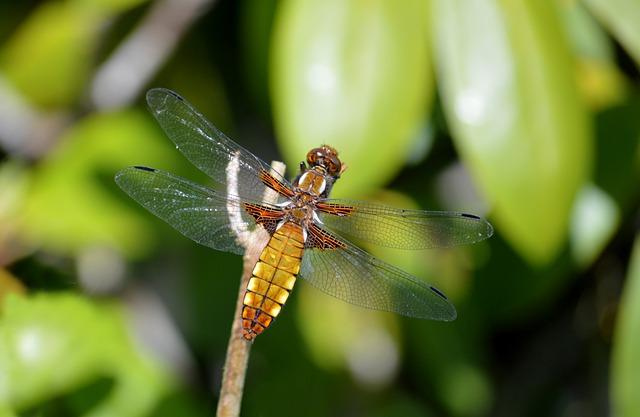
(309, 235)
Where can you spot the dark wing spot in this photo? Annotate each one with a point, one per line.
(161, 93)
(176, 95)
(144, 168)
(437, 291)
(470, 216)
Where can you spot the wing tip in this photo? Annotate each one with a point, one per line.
(118, 178)
(449, 315)
(488, 232)
(453, 315)
(155, 95)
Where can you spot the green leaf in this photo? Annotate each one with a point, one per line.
(13, 183)
(256, 22)
(107, 6)
(363, 341)
(509, 91)
(52, 344)
(625, 360)
(450, 358)
(9, 285)
(400, 404)
(587, 37)
(601, 82)
(595, 219)
(340, 335)
(354, 75)
(72, 201)
(621, 17)
(618, 164)
(466, 389)
(49, 58)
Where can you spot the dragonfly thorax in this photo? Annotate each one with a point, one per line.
(300, 209)
(299, 214)
(312, 182)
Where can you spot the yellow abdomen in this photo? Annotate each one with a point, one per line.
(272, 280)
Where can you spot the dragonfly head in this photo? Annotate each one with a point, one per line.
(327, 158)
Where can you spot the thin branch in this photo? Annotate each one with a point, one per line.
(24, 130)
(238, 349)
(121, 78)
(29, 132)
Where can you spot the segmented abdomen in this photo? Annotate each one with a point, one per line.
(272, 280)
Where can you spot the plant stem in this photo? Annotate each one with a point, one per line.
(238, 349)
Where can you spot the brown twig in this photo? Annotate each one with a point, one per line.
(238, 349)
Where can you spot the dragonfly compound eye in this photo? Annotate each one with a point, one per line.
(334, 166)
(326, 157)
(315, 157)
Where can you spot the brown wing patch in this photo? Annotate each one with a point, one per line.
(321, 239)
(266, 216)
(335, 209)
(275, 184)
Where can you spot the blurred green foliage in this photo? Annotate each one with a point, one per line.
(71, 182)
(495, 75)
(523, 111)
(625, 356)
(49, 57)
(52, 344)
(620, 16)
(336, 69)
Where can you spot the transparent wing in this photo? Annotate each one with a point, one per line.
(206, 216)
(356, 277)
(404, 229)
(208, 148)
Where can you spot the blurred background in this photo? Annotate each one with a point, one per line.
(523, 111)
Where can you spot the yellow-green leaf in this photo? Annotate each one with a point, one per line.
(625, 367)
(72, 201)
(508, 86)
(49, 57)
(595, 218)
(601, 82)
(9, 285)
(621, 17)
(354, 75)
(107, 6)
